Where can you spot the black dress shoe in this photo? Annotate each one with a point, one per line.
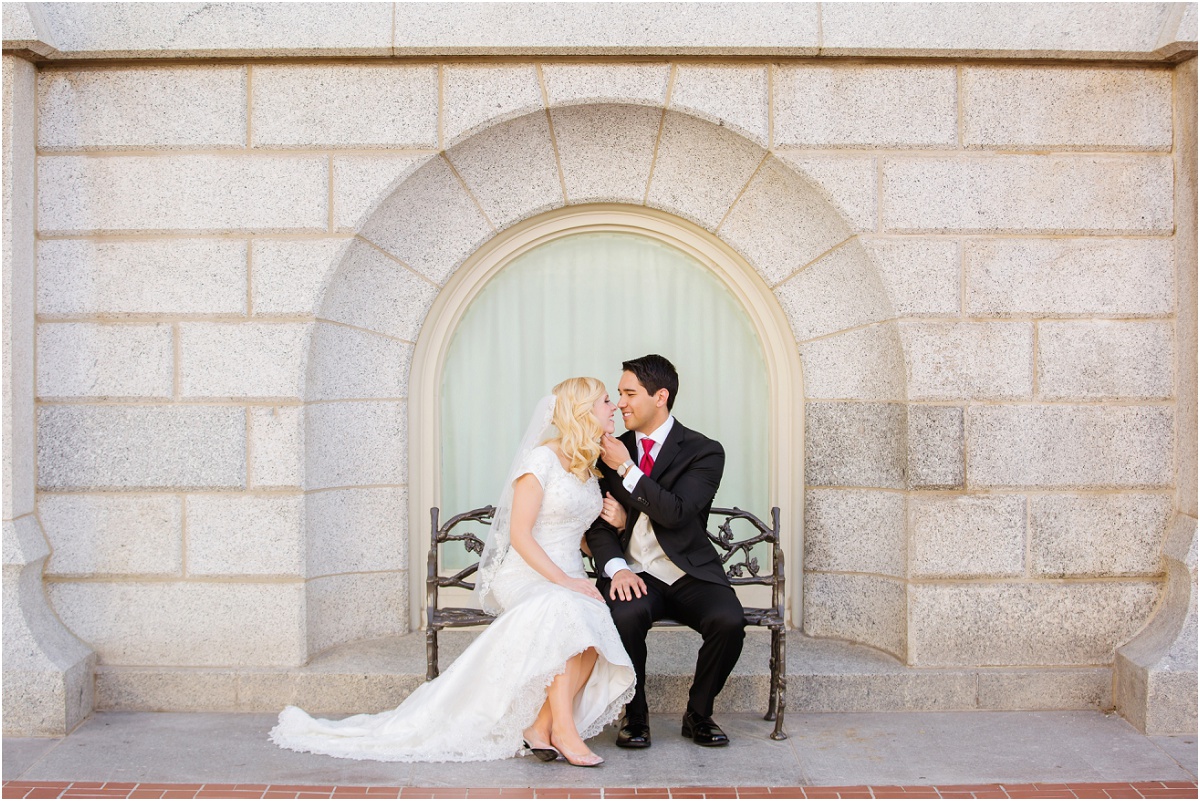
(703, 730)
(634, 733)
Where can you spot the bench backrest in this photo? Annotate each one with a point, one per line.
(734, 549)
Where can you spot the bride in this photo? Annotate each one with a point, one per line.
(550, 671)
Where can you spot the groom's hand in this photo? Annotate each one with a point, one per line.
(626, 585)
(614, 452)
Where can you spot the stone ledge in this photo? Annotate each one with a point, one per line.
(823, 676)
(1083, 31)
(165, 30)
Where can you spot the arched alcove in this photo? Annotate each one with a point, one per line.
(391, 307)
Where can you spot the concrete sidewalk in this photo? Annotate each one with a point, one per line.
(890, 748)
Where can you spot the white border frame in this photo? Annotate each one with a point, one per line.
(785, 433)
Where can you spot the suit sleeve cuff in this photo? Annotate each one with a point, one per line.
(632, 476)
(614, 565)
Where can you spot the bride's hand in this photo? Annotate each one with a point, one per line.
(583, 587)
(613, 513)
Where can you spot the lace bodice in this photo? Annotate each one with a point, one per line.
(568, 507)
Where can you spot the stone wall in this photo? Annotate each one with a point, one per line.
(977, 261)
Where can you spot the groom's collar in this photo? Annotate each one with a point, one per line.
(659, 435)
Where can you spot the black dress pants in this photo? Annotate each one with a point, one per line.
(711, 609)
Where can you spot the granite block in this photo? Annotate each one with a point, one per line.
(1069, 446)
(362, 182)
(1079, 623)
(192, 623)
(968, 361)
(288, 277)
(355, 443)
(142, 108)
(1068, 108)
(586, 84)
(865, 105)
(966, 536)
(935, 447)
(182, 193)
(1105, 360)
(349, 364)
(357, 530)
(861, 608)
(17, 318)
(123, 361)
(113, 534)
(1063, 688)
(600, 30)
(159, 690)
(352, 607)
(1070, 277)
(860, 364)
(855, 444)
(843, 290)
(167, 276)
(345, 105)
(1062, 30)
(850, 182)
(605, 152)
(1098, 535)
(221, 30)
(1058, 194)
(141, 447)
(243, 360)
(245, 535)
(855, 531)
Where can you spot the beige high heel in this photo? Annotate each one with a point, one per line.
(542, 750)
(578, 760)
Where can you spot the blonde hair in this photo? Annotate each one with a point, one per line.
(578, 430)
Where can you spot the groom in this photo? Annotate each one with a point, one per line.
(662, 565)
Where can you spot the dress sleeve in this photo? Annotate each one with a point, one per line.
(537, 465)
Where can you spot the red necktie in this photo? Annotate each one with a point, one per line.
(647, 463)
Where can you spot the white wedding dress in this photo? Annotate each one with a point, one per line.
(479, 707)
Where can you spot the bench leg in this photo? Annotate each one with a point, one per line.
(431, 654)
(779, 682)
(772, 695)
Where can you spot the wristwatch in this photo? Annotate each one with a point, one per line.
(623, 467)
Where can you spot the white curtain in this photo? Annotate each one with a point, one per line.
(580, 305)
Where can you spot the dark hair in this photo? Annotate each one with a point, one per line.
(654, 372)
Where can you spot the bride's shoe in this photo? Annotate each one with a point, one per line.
(542, 750)
(578, 760)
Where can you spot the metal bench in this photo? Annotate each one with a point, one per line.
(741, 566)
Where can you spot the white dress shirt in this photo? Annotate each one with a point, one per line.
(645, 554)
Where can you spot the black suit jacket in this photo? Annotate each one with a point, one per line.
(677, 495)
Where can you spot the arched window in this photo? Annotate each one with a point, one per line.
(575, 292)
